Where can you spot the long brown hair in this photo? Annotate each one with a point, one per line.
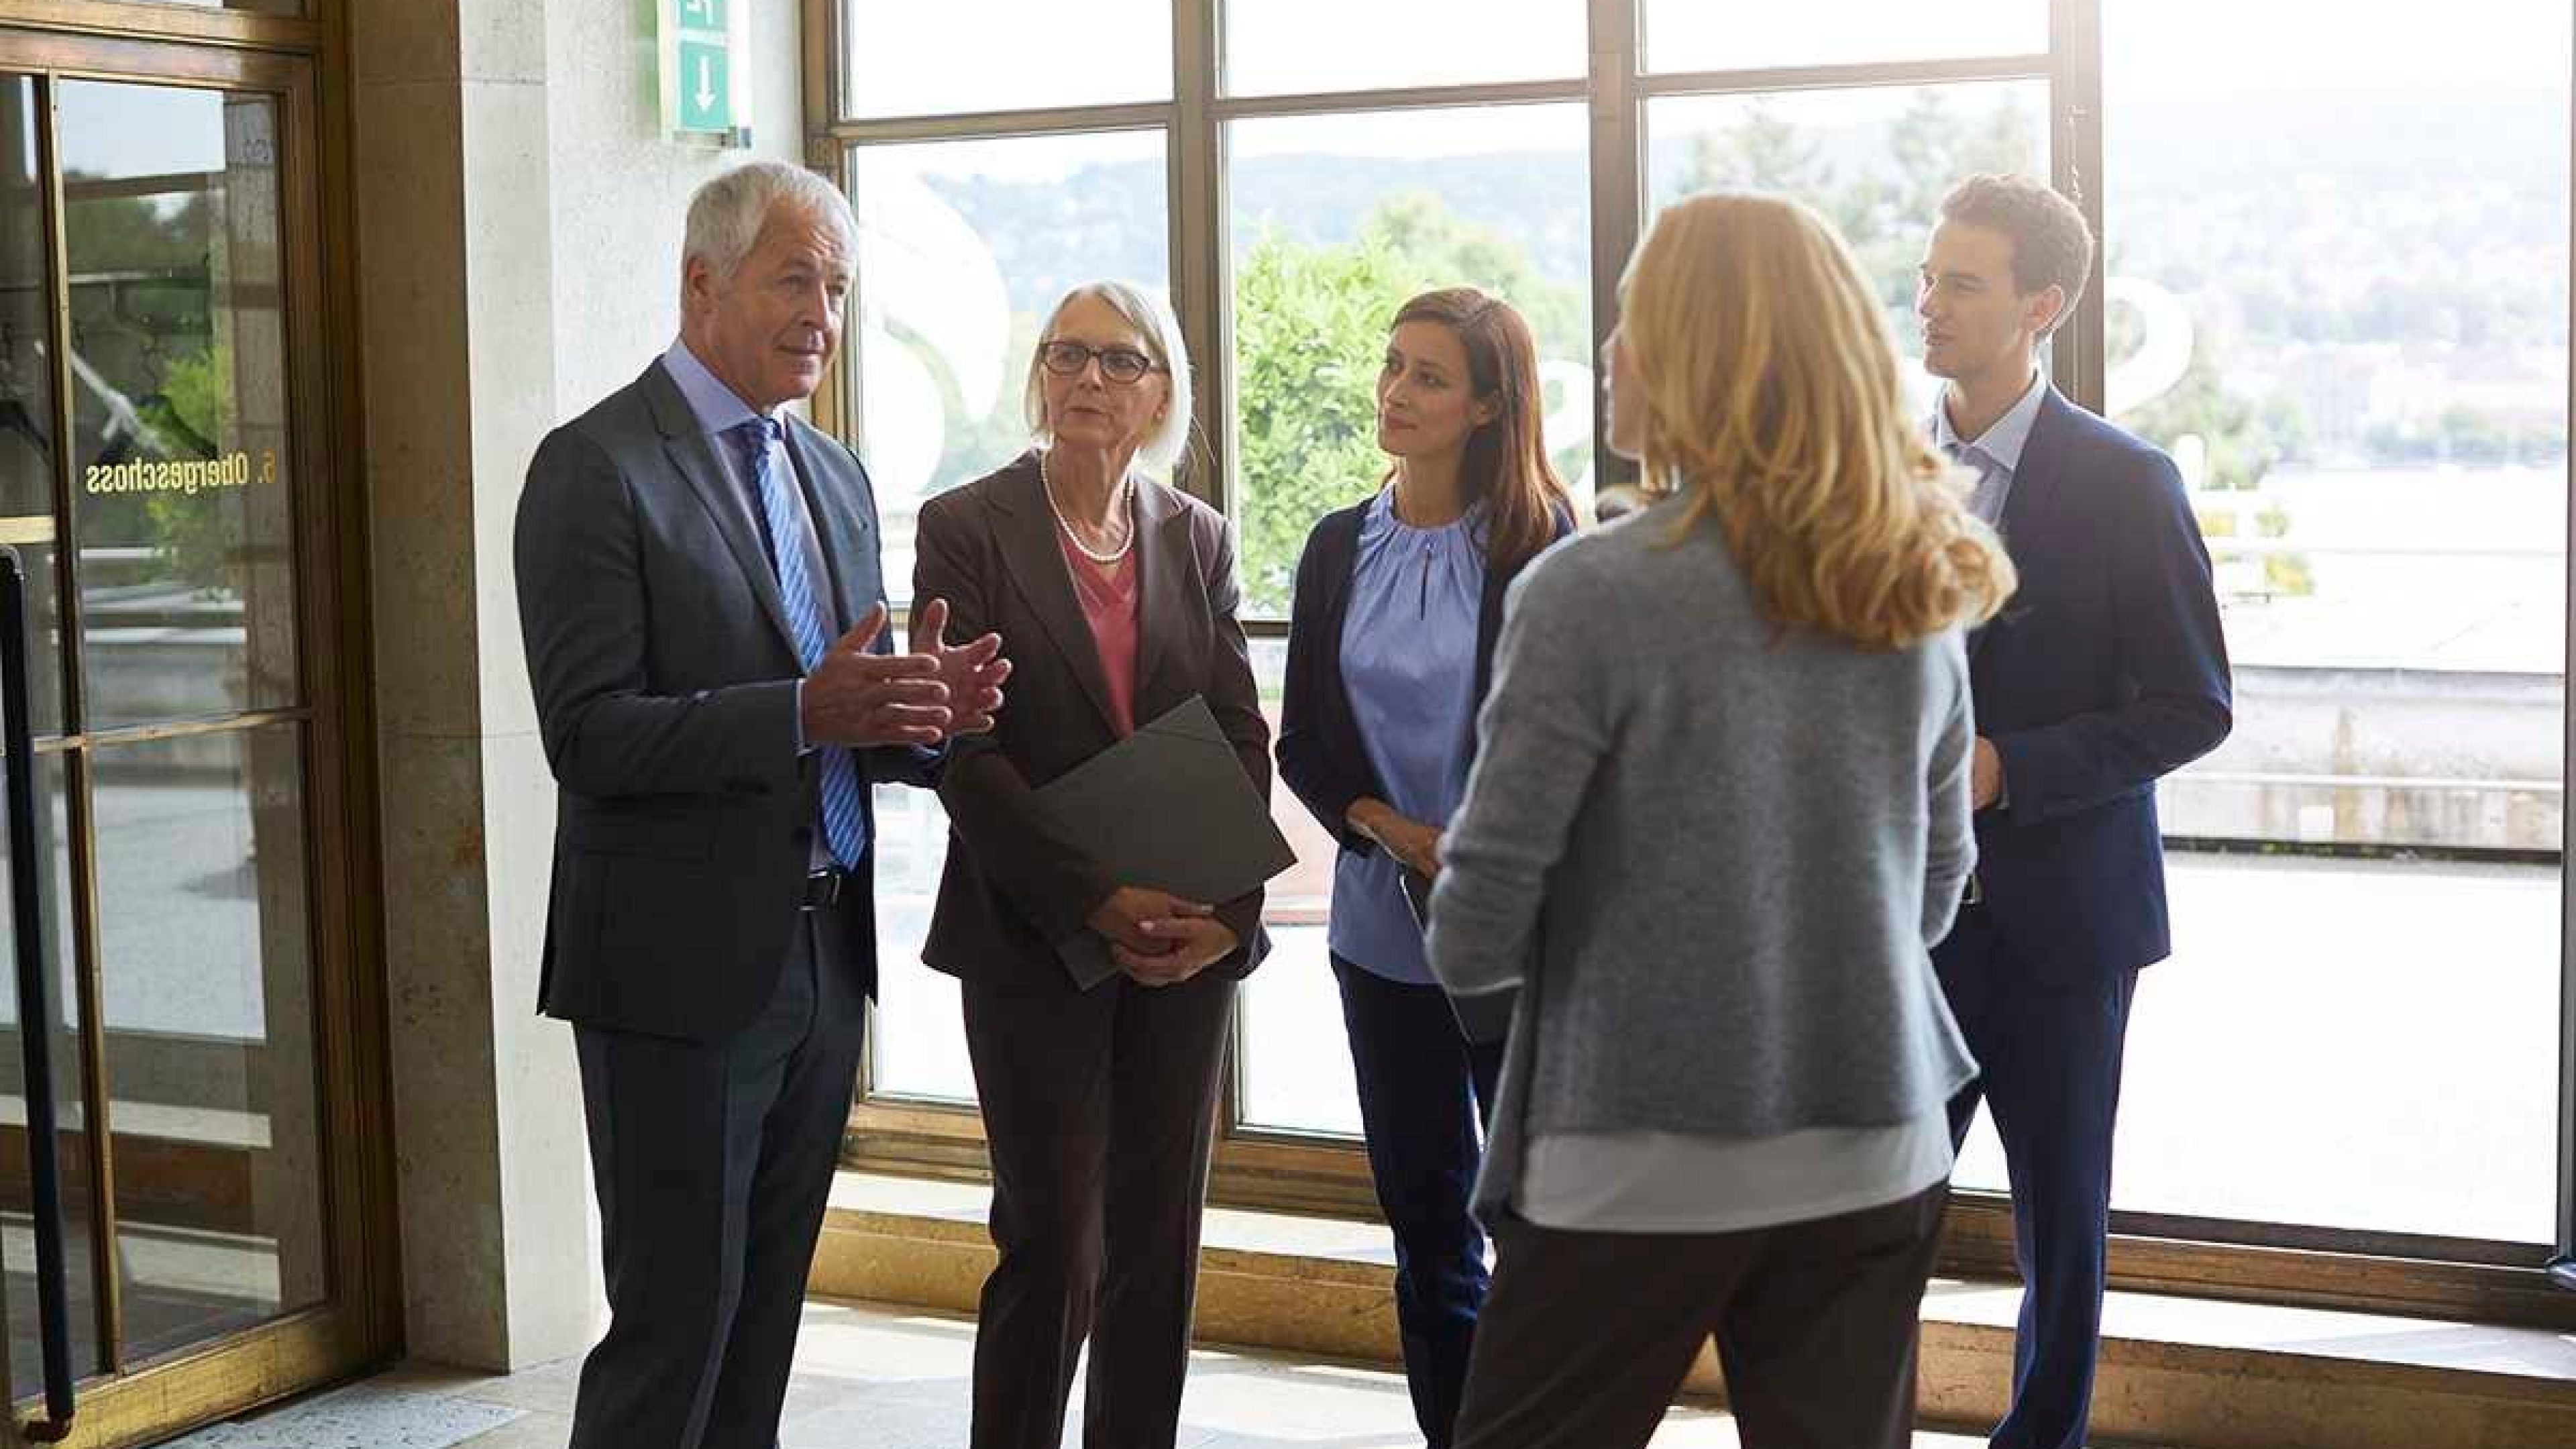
(1772, 405)
(1506, 463)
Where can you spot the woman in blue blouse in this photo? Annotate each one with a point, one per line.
(1398, 601)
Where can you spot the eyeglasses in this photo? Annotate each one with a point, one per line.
(1117, 364)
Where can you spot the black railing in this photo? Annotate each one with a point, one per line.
(35, 1012)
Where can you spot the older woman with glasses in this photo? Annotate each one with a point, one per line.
(1099, 1103)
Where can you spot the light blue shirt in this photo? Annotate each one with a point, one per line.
(719, 409)
(1409, 666)
(1996, 452)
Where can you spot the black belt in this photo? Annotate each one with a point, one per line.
(1975, 893)
(823, 888)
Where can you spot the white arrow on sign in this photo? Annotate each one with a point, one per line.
(706, 83)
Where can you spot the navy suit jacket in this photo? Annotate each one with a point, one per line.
(2105, 672)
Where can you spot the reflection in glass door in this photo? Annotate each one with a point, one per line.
(144, 321)
(182, 521)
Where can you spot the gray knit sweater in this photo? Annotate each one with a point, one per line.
(1716, 852)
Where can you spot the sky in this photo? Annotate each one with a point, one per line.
(138, 130)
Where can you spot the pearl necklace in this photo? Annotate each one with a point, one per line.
(1047, 484)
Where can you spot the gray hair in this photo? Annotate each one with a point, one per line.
(1151, 316)
(728, 211)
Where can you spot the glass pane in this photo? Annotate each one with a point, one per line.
(17, 1226)
(2372, 421)
(1877, 162)
(27, 397)
(1336, 221)
(2259, 1081)
(207, 990)
(1292, 1052)
(906, 60)
(182, 506)
(1688, 35)
(963, 248)
(1276, 47)
(917, 1041)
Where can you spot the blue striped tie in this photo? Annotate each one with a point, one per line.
(845, 826)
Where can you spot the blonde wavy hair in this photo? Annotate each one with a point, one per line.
(1772, 403)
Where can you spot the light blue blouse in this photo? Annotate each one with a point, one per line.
(1409, 664)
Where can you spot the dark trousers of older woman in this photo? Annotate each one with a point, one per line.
(1588, 1335)
(1099, 1111)
(1424, 1090)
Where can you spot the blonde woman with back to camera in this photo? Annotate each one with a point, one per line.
(1723, 1110)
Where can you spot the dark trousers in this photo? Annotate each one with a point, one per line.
(1099, 1112)
(2050, 1055)
(1425, 1093)
(1588, 1335)
(713, 1161)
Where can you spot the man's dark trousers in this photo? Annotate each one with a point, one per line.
(713, 1162)
(2049, 1054)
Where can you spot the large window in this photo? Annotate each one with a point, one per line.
(2372, 417)
(2334, 286)
(1693, 35)
(1874, 160)
(907, 59)
(1334, 221)
(1277, 47)
(964, 246)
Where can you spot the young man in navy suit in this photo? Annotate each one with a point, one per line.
(2106, 672)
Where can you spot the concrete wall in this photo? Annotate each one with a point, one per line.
(619, 193)
(2382, 757)
(519, 217)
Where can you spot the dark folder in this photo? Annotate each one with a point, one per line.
(1168, 807)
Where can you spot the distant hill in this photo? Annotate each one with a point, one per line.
(2377, 216)
(1110, 219)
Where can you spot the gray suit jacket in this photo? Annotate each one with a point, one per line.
(1745, 839)
(665, 684)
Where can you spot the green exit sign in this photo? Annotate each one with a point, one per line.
(706, 86)
(701, 41)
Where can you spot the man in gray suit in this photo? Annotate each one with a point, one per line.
(705, 628)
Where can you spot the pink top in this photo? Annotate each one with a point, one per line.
(1108, 596)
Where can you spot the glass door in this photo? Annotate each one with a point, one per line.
(160, 457)
(182, 531)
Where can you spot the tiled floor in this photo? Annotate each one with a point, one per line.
(889, 1379)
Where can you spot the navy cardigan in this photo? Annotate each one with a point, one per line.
(1320, 754)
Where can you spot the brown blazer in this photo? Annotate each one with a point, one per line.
(1013, 886)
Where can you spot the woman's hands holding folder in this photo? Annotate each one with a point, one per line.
(1191, 944)
(1157, 938)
